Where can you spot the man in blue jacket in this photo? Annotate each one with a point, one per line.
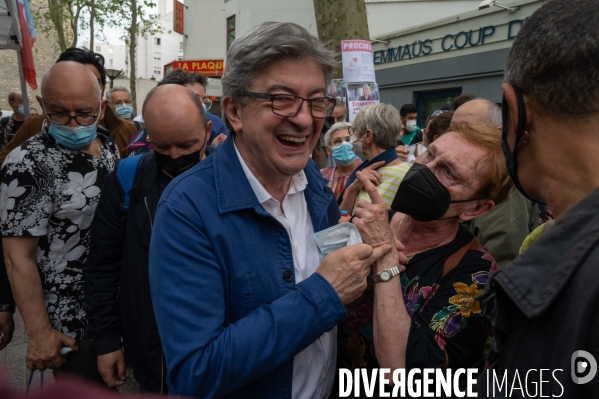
(244, 306)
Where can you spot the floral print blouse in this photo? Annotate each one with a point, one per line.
(51, 192)
(447, 329)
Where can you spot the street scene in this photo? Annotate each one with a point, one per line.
(299, 199)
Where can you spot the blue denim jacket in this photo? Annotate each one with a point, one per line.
(229, 321)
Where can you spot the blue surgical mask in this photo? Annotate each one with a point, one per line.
(205, 108)
(343, 154)
(73, 137)
(21, 109)
(124, 111)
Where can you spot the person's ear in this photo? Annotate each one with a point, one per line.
(482, 207)
(232, 109)
(208, 128)
(329, 151)
(369, 136)
(435, 137)
(103, 105)
(40, 101)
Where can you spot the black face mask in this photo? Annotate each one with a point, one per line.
(422, 196)
(175, 167)
(510, 156)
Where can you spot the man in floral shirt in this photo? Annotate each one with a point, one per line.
(48, 194)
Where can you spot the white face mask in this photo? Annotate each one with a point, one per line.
(411, 126)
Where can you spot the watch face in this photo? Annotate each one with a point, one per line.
(385, 275)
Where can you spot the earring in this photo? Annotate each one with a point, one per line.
(526, 139)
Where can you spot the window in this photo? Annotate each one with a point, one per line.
(110, 63)
(157, 41)
(429, 102)
(181, 46)
(156, 71)
(110, 51)
(98, 49)
(230, 31)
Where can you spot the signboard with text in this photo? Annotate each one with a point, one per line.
(358, 65)
(178, 19)
(204, 67)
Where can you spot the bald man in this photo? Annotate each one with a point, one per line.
(49, 190)
(503, 230)
(178, 130)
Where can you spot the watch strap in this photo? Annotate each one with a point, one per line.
(8, 308)
(393, 271)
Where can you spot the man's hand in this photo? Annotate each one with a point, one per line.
(346, 269)
(112, 368)
(43, 351)
(218, 139)
(402, 152)
(7, 327)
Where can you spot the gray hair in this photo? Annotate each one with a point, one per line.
(384, 121)
(554, 57)
(336, 127)
(266, 43)
(339, 102)
(115, 89)
(493, 115)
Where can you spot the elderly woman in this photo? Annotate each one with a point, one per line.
(427, 316)
(375, 129)
(338, 146)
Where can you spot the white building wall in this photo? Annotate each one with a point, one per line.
(115, 56)
(205, 20)
(205, 27)
(386, 16)
(153, 52)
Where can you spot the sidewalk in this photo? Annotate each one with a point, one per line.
(12, 361)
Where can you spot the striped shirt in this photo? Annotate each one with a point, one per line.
(392, 177)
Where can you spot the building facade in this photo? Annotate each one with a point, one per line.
(45, 54)
(116, 56)
(430, 64)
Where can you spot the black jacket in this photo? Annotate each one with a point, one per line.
(547, 308)
(117, 287)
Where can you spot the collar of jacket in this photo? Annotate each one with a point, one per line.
(537, 277)
(234, 192)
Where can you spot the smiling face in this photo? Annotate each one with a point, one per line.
(277, 147)
(366, 90)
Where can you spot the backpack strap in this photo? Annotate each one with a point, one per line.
(457, 256)
(125, 173)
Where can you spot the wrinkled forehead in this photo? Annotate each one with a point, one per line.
(455, 150)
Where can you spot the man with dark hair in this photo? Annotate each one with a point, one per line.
(197, 83)
(410, 132)
(117, 290)
(120, 130)
(10, 124)
(546, 316)
(461, 100)
(244, 304)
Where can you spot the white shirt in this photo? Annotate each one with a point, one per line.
(314, 367)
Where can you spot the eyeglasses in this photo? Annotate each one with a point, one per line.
(62, 118)
(289, 105)
(444, 172)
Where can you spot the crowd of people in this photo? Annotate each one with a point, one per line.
(185, 245)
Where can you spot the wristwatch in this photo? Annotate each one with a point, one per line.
(8, 308)
(385, 275)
